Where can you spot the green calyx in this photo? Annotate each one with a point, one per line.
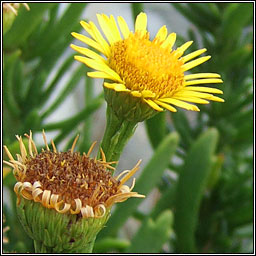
(125, 106)
(123, 114)
(54, 232)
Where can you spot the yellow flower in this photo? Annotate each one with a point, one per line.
(67, 181)
(151, 71)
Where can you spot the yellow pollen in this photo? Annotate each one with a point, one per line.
(145, 65)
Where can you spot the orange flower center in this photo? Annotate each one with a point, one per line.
(71, 176)
(145, 65)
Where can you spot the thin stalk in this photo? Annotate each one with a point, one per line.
(117, 134)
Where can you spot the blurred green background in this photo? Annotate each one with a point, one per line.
(199, 176)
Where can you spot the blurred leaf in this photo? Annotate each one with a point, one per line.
(85, 141)
(215, 172)
(148, 179)
(195, 18)
(156, 128)
(35, 89)
(191, 185)
(166, 201)
(205, 13)
(110, 244)
(64, 68)
(182, 125)
(67, 88)
(236, 16)
(242, 54)
(62, 29)
(79, 117)
(152, 234)
(32, 120)
(17, 84)
(8, 74)
(25, 23)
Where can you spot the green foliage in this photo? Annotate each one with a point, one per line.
(193, 178)
(202, 162)
(144, 241)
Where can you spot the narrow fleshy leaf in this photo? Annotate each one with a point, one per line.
(191, 185)
(152, 234)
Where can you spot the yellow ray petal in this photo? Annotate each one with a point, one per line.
(195, 63)
(88, 41)
(96, 35)
(169, 42)
(148, 94)
(203, 89)
(121, 88)
(180, 103)
(201, 75)
(161, 34)
(152, 104)
(204, 81)
(198, 95)
(89, 53)
(99, 66)
(167, 106)
(105, 28)
(123, 26)
(141, 23)
(117, 87)
(191, 99)
(192, 55)
(109, 85)
(99, 74)
(180, 50)
(218, 99)
(136, 94)
(114, 28)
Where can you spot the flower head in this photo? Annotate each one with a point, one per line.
(150, 71)
(67, 181)
(64, 198)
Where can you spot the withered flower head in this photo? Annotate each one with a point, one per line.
(64, 198)
(68, 181)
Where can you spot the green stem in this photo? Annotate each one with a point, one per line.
(117, 134)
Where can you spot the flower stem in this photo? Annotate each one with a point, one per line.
(117, 133)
